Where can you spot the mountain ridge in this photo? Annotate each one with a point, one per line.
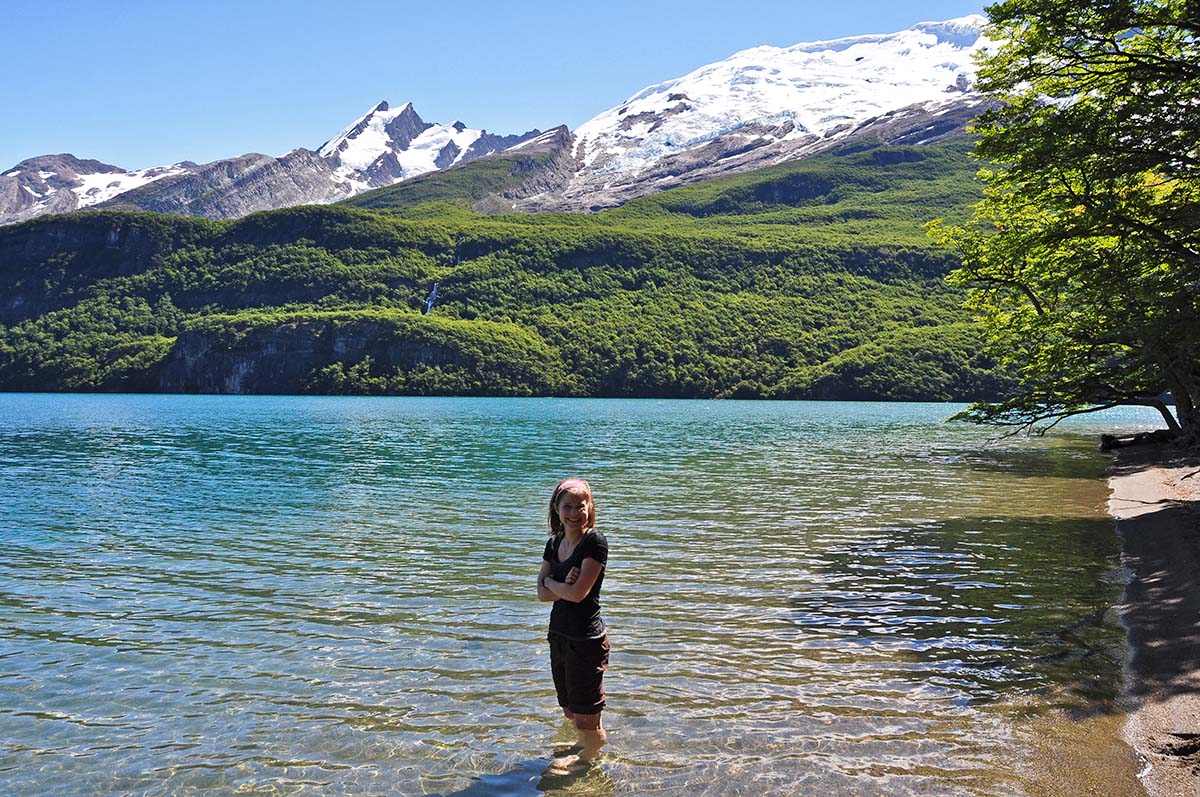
(380, 148)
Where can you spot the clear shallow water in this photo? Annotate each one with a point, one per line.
(334, 596)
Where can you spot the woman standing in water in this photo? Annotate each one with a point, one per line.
(571, 575)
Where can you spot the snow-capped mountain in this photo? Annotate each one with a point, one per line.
(758, 107)
(770, 104)
(817, 89)
(378, 149)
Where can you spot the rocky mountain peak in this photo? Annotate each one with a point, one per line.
(63, 163)
(387, 144)
(360, 136)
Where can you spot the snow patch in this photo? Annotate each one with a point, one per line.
(103, 186)
(423, 151)
(543, 138)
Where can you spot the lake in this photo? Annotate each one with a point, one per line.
(283, 595)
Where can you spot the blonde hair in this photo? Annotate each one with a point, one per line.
(553, 522)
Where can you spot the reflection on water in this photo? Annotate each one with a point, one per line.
(311, 596)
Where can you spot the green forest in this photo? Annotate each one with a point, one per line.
(808, 280)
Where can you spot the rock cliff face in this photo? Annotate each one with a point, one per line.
(283, 358)
(231, 188)
(546, 165)
(278, 360)
(50, 262)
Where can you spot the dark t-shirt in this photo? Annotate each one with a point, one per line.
(578, 620)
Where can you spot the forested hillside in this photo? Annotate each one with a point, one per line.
(808, 280)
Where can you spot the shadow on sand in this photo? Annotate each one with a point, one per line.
(1161, 540)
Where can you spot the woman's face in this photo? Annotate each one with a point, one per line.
(574, 510)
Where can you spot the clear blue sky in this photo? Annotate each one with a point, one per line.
(137, 83)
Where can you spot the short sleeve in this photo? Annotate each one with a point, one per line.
(596, 547)
(548, 554)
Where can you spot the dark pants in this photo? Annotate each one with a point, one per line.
(578, 667)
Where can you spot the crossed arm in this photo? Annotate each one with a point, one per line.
(578, 584)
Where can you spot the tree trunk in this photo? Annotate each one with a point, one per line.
(1186, 392)
(1172, 424)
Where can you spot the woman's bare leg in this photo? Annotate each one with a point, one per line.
(592, 735)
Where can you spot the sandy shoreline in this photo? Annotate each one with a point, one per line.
(1156, 502)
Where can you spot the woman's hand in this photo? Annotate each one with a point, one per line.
(572, 577)
(543, 592)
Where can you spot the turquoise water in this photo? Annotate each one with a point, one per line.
(216, 594)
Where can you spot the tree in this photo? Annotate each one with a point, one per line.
(1084, 256)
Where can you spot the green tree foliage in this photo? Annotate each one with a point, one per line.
(107, 343)
(466, 183)
(1084, 261)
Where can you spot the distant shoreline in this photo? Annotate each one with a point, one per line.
(1155, 500)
